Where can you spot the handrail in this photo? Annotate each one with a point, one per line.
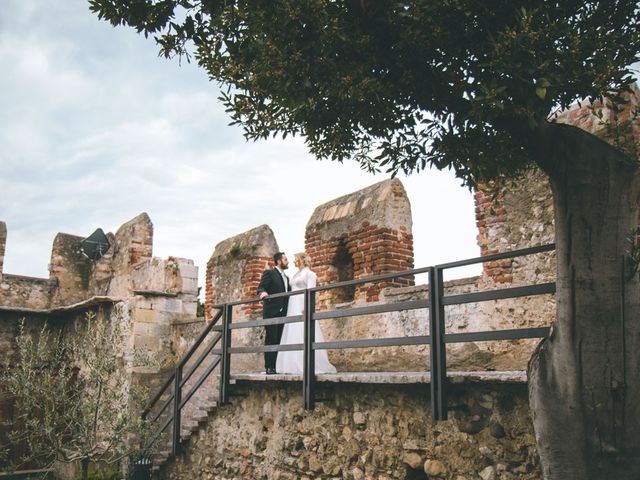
(182, 361)
(186, 377)
(200, 381)
(157, 396)
(201, 358)
(179, 381)
(161, 410)
(436, 303)
(437, 337)
(200, 339)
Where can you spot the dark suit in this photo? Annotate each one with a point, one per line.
(271, 283)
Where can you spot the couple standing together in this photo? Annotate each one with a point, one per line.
(275, 281)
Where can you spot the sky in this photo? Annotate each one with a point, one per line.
(95, 129)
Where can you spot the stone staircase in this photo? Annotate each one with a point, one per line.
(191, 423)
(195, 412)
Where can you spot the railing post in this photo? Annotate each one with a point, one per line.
(177, 400)
(438, 350)
(309, 369)
(225, 367)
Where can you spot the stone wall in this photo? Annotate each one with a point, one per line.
(365, 233)
(513, 217)
(156, 298)
(520, 214)
(364, 431)
(160, 294)
(164, 300)
(132, 245)
(70, 268)
(18, 292)
(235, 268)
(233, 273)
(126, 268)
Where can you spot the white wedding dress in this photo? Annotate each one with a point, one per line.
(292, 362)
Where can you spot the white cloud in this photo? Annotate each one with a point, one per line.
(96, 129)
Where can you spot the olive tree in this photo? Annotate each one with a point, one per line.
(73, 400)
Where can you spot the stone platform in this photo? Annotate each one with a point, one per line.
(390, 377)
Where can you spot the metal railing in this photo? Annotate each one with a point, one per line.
(437, 338)
(177, 381)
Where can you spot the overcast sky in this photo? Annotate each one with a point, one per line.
(95, 128)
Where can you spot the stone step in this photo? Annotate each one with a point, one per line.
(200, 416)
(160, 456)
(194, 414)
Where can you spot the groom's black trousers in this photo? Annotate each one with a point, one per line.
(273, 334)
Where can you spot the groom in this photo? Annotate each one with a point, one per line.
(274, 281)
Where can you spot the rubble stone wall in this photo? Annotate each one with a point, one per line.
(364, 431)
(20, 292)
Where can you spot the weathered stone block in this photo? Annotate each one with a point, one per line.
(190, 309)
(167, 304)
(189, 285)
(149, 343)
(188, 269)
(145, 316)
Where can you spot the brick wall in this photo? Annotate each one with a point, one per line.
(363, 252)
(359, 235)
(491, 218)
(250, 279)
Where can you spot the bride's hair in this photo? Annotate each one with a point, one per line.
(304, 258)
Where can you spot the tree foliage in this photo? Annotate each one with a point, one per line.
(399, 85)
(73, 401)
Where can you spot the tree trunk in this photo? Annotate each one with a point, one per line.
(85, 468)
(584, 380)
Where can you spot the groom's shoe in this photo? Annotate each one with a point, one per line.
(271, 371)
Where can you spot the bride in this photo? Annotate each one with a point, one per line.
(292, 362)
